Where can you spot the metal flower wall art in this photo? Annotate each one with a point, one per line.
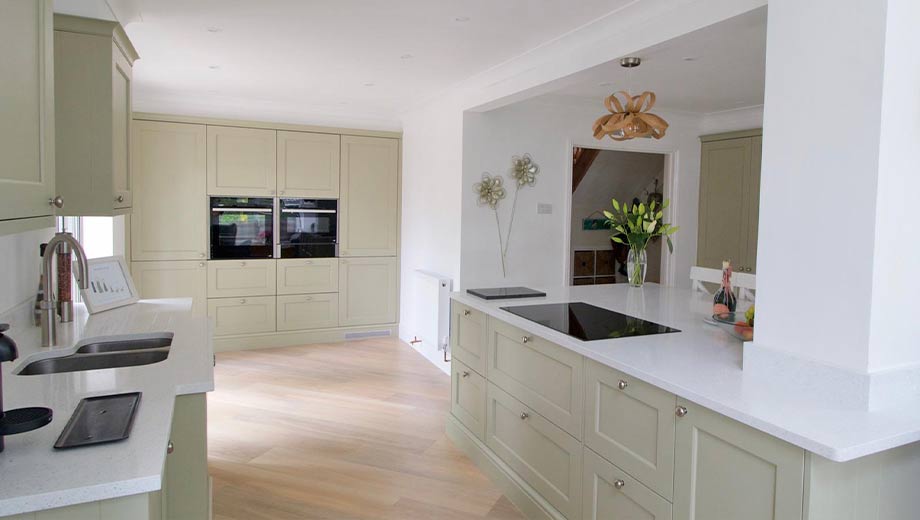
(490, 191)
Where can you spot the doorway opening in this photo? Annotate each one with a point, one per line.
(597, 177)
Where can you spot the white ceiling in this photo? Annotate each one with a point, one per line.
(717, 68)
(306, 60)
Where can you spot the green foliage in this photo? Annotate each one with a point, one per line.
(637, 224)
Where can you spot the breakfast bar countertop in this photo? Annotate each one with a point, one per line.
(703, 364)
(33, 475)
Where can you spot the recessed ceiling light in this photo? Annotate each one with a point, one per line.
(214, 67)
(406, 57)
(462, 19)
(605, 84)
(214, 29)
(369, 84)
(689, 58)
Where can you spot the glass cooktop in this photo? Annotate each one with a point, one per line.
(587, 322)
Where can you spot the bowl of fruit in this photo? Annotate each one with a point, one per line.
(738, 324)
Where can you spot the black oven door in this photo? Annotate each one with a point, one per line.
(308, 228)
(241, 228)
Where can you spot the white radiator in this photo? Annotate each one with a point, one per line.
(431, 313)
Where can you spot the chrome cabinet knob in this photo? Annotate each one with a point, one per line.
(242, 264)
(170, 447)
(120, 198)
(681, 411)
(619, 483)
(525, 339)
(242, 301)
(622, 385)
(200, 255)
(466, 312)
(281, 192)
(524, 415)
(200, 264)
(308, 262)
(465, 374)
(57, 202)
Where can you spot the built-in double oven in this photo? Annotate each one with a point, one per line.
(264, 227)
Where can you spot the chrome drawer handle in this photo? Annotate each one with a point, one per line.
(465, 374)
(170, 447)
(466, 312)
(681, 411)
(525, 339)
(242, 301)
(619, 484)
(524, 415)
(242, 264)
(622, 385)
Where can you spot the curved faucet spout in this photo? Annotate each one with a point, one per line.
(47, 305)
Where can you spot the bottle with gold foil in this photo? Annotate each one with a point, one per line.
(724, 300)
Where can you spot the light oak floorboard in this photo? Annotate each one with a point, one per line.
(344, 431)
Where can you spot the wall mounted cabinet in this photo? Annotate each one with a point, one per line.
(93, 117)
(729, 200)
(170, 217)
(26, 115)
(308, 165)
(241, 161)
(369, 219)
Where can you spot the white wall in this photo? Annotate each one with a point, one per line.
(547, 128)
(20, 266)
(432, 142)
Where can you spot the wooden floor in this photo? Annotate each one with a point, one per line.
(340, 431)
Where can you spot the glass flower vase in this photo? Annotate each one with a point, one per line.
(636, 266)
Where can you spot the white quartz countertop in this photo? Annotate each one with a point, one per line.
(703, 364)
(33, 475)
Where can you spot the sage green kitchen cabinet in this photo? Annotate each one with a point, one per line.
(368, 291)
(241, 161)
(612, 494)
(369, 193)
(177, 279)
(250, 315)
(469, 336)
(228, 278)
(468, 397)
(307, 275)
(93, 116)
(726, 470)
(135, 507)
(186, 493)
(27, 178)
(169, 220)
(308, 165)
(729, 200)
(631, 423)
(307, 311)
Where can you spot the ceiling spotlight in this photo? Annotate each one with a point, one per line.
(214, 67)
(214, 29)
(689, 58)
(462, 19)
(406, 57)
(369, 84)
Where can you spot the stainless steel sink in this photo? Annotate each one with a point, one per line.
(80, 362)
(125, 345)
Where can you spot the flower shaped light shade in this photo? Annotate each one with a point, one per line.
(630, 118)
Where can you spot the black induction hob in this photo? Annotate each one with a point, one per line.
(587, 322)
(502, 293)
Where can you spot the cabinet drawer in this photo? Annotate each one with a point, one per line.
(631, 423)
(241, 278)
(242, 315)
(308, 311)
(610, 493)
(545, 376)
(545, 456)
(468, 397)
(469, 338)
(302, 276)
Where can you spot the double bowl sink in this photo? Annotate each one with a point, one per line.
(106, 353)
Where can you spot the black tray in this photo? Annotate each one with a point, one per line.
(97, 420)
(505, 293)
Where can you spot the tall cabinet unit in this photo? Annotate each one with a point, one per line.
(729, 200)
(369, 223)
(93, 116)
(26, 115)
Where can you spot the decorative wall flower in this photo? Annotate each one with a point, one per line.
(490, 190)
(523, 170)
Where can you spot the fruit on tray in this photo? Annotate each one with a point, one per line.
(750, 316)
(744, 331)
(720, 308)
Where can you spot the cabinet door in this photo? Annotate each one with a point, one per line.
(729, 471)
(610, 493)
(631, 423)
(724, 174)
(545, 376)
(242, 315)
(186, 486)
(752, 206)
(468, 397)
(545, 456)
(308, 311)
(241, 278)
(308, 165)
(469, 336)
(170, 217)
(367, 291)
(241, 161)
(369, 221)
(306, 276)
(26, 109)
(183, 279)
(121, 129)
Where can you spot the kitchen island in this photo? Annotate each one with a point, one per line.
(129, 475)
(570, 427)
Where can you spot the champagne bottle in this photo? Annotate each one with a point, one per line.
(724, 300)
